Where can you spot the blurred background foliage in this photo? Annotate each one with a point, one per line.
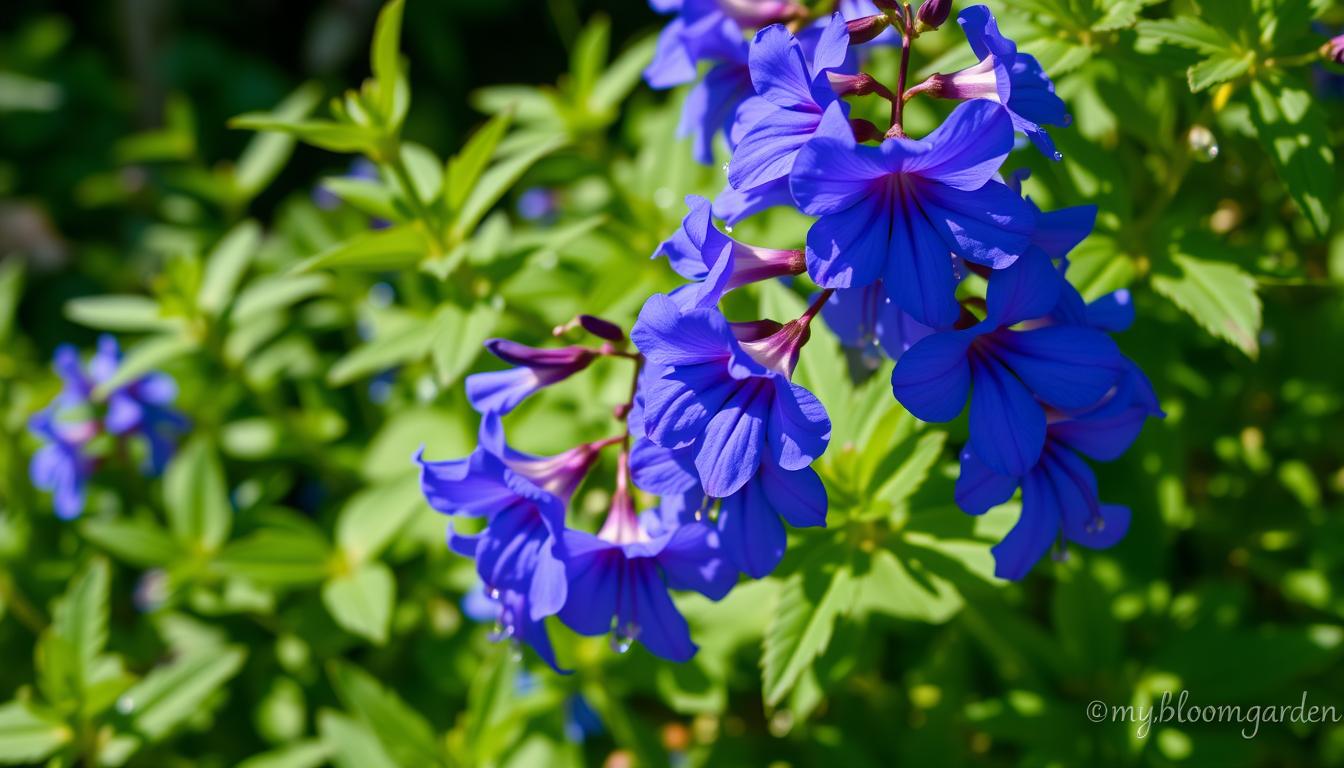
(283, 596)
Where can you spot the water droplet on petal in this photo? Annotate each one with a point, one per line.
(623, 637)
(1203, 144)
(725, 166)
(494, 594)
(728, 228)
(1057, 156)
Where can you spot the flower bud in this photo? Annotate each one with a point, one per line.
(602, 329)
(932, 13)
(1333, 50)
(867, 28)
(758, 13)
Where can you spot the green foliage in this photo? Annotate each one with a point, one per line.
(282, 596)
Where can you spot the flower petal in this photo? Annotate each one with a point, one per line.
(799, 428)
(990, 225)
(1067, 366)
(832, 172)
(967, 149)
(778, 70)
(1035, 531)
(980, 488)
(933, 378)
(729, 451)
(753, 537)
(1007, 424)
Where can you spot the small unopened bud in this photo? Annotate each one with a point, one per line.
(602, 329)
(864, 130)
(1333, 50)
(867, 28)
(932, 13)
(887, 5)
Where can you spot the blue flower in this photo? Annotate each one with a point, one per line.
(1011, 374)
(141, 408)
(750, 521)
(1059, 493)
(725, 390)
(520, 552)
(1004, 75)
(715, 263)
(534, 368)
(904, 210)
(795, 93)
(620, 578)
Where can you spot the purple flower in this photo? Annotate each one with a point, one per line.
(1333, 50)
(725, 389)
(63, 465)
(534, 368)
(623, 575)
(904, 210)
(1015, 80)
(796, 92)
(932, 13)
(854, 10)
(1059, 493)
(1011, 375)
(715, 263)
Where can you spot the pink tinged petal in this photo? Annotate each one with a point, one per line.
(980, 488)
(832, 172)
(848, 249)
(729, 451)
(768, 150)
(1036, 530)
(990, 225)
(919, 277)
(967, 149)
(778, 69)
(1028, 288)
(799, 428)
(933, 378)
(799, 497)
(1007, 424)
(1069, 367)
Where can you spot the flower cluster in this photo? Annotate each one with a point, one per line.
(74, 427)
(924, 252)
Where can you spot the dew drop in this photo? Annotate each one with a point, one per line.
(500, 631)
(728, 229)
(494, 593)
(1203, 144)
(125, 705)
(623, 637)
(725, 166)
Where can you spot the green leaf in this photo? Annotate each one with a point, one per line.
(406, 339)
(911, 467)
(352, 745)
(129, 314)
(11, 290)
(225, 266)
(278, 292)
(79, 622)
(303, 754)
(588, 58)
(459, 338)
(1219, 69)
(1186, 32)
(136, 541)
(170, 695)
(374, 515)
(326, 134)
(891, 585)
(1294, 129)
(391, 249)
(267, 153)
(622, 76)
(1218, 296)
(810, 601)
(361, 601)
(466, 167)
(27, 738)
(404, 733)
(277, 556)
(496, 181)
(147, 356)
(385, 56)
(368, 197)
(196, 497)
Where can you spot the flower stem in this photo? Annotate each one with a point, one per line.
(897, 129)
